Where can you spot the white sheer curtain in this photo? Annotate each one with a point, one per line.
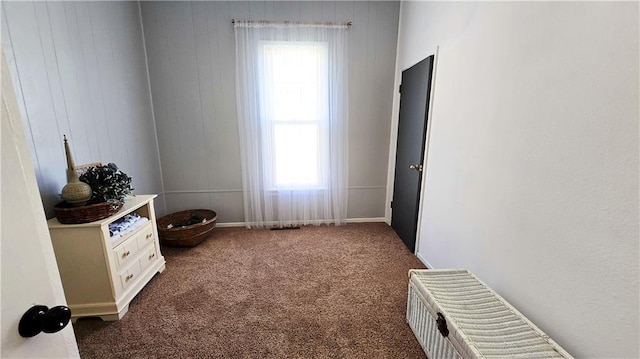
(292, 100)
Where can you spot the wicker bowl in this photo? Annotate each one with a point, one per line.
(188, 235)
(68, 214)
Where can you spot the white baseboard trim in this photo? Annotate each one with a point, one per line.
(230, 224)
(366, 220)
(348, 220)
(424, 261)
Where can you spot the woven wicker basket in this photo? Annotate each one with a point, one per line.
(68, 214)
(186, 236)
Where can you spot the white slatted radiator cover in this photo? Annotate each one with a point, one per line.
(480, 323)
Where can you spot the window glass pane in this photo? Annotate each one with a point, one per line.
(295, 81)
(296, 155)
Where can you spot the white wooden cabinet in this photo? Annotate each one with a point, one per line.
(101, 275)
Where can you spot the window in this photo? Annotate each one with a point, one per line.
(294, 99)
(292, 105)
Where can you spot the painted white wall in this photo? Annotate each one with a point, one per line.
(79, 69)
(191, 50)
(532, 174)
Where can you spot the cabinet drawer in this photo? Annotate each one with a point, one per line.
(126, 251)
(148, 257)
(145, 236)
(130, 275)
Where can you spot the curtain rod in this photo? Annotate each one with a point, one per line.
(233, 21)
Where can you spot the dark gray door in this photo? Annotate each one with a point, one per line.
(412, 127)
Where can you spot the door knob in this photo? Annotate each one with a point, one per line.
(40, 318)
(416, 167)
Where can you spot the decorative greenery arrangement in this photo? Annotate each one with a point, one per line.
(107, 183)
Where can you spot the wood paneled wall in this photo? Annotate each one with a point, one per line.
(191, 51)
(79, 69)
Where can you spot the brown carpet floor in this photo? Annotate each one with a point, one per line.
(316, 292)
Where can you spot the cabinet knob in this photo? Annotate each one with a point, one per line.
(40, 318)
(148, 235)
(152, 255)
(129, 276)
(125, 254)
